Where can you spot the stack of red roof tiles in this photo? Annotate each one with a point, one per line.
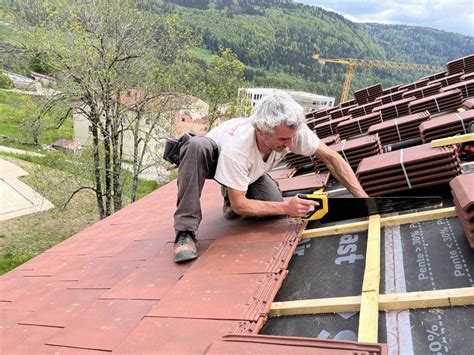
(406, 169)
(329, 128)
(394, 109)
(442, 102)
(313, 121)
(363, 110)
(358, 126)
(296, 161)
(392, 97)
(468, 104)
(466, 87)
(448, 80)
(462, 188)
(368, 94)
(353, 151)
(399, 129)
(338, 112)
(461, 65)
(446, 126)
(428, 90)
(415, 85)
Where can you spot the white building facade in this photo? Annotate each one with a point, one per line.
(309, 101)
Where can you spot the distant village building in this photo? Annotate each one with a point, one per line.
(189, 115)
(43, 78)
(192, 117)
(309, 101)
(67, 145)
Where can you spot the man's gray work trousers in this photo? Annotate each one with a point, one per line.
(198, 162)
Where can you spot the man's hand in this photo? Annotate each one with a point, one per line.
(298, 207)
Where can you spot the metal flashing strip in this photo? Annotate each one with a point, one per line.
(268, 344)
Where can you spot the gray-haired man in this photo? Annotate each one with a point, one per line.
(238, 154)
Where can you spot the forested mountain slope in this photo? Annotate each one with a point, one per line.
(277, 39)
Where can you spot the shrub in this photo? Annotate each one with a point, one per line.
(5, 82)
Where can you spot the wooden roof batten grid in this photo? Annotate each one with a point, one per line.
(370, 301)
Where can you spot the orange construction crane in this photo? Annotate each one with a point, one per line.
(352, 63)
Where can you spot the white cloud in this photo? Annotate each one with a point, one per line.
(448, 15)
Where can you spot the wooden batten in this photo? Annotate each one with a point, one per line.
(384, 222)
(452, 140)
(387, 302)
(369, 307)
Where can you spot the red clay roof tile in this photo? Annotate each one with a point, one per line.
(26, 339)
(232, 297)
(61, 310)
(175, 335)
(10, 317)
(104, 325)
(243, 258)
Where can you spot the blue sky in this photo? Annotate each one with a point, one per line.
(448, 15)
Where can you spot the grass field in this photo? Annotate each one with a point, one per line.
(16, 110)
(202, 54)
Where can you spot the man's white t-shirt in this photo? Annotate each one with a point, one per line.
(240, 162)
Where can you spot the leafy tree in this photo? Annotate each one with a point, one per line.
(223, 79)
(100, 50)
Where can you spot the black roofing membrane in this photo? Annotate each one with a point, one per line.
(430, 255)
(418, 331)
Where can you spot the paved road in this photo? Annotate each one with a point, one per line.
(19, 151)
(17, 198)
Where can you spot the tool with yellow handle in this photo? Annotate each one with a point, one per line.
(345, 208)
(318, 211)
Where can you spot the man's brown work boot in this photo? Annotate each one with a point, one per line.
(185, 246)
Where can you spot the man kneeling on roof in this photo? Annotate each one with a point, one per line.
(238, 154)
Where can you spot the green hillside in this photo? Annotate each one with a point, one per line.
(276, 40)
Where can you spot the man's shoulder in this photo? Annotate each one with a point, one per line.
(235, 127)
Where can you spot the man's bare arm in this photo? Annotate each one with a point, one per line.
(295, 207)
(340, 169)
